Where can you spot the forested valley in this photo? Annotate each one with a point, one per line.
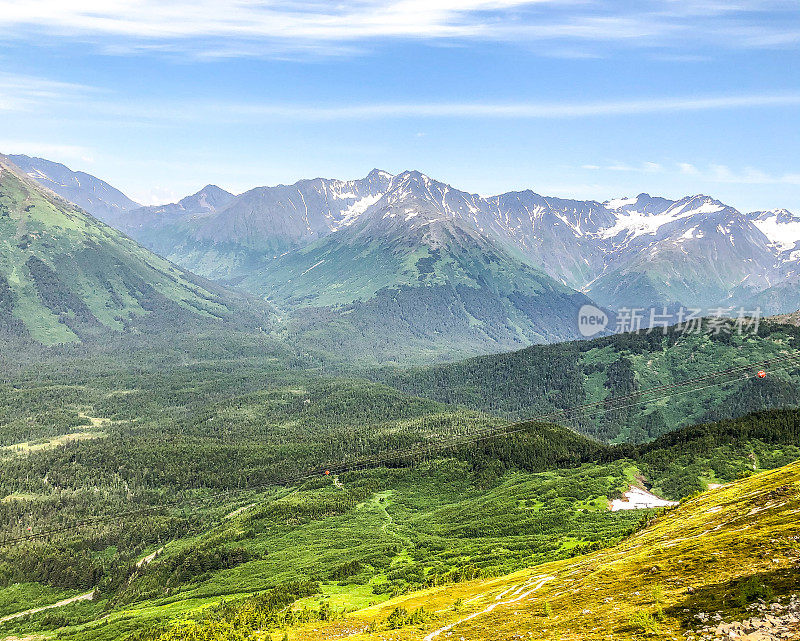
(174, 478)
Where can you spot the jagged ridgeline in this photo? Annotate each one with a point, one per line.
(66, 277)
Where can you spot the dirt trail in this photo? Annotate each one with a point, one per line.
(149, 558)
(517, 597)
(238, 511)
(81, 597)
(389, 526)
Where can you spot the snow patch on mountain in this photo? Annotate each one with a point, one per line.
(635, 223)
(619, 203)
(783, 234)
(707, 207)
(354, 211)
(691, 234)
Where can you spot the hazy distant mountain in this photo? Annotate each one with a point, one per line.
(208, 200)
(628, 252)
(405, 269)
(91, 194)
(65, 276)
(636, 252)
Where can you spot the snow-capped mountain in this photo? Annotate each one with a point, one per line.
(782, 228)
(291, 215)
(640, 251)
(407, 267)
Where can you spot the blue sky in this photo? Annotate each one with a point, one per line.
(581, 98)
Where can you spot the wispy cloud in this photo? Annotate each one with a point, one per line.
(20, 92)
(515, 110)
(748, 175)
(47, 150)
(647, 167)
(712, 173)
(23, 93)
(218, 28)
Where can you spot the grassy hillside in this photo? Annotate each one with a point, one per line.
(545, 378)
(65, 276)
(717, 552)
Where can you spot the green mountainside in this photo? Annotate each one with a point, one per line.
(728, 555)
(541, 379)
(409, 281)
(65, 276)
(420, 290)
(433, 291)
(221, 565)
(163, 448)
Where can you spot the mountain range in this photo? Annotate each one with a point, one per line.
(448, 265)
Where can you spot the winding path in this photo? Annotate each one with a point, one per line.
(517, 597)
(81, 597)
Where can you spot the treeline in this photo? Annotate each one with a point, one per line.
(682, 462)
(544, 378)
(238, 620)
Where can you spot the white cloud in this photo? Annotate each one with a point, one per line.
(521, 110)
(20, 92)
(220, 28)
(153, 20)
(24, 93)
(714, 172)
(157, 195)
(646, 167)
(748, 175)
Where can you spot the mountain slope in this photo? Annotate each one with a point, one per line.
(644, 251)
(716, 553)
(88, 192)
(696, 253)
(65, 276)
(542, 379)
(238, 234)
(208, 200)
(406, 272)
(361, 539)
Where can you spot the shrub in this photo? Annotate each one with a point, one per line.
(400, 617)
(751, 589)
(644, 622)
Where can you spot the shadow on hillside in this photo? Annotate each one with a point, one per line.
(732, 598)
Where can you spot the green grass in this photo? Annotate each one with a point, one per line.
(404, 528)
(730, 545)
(27, 596)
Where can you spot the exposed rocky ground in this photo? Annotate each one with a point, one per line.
(769, 622)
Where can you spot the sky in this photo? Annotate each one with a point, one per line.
(590, 99)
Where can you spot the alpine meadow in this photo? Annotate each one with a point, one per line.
(393, 321)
